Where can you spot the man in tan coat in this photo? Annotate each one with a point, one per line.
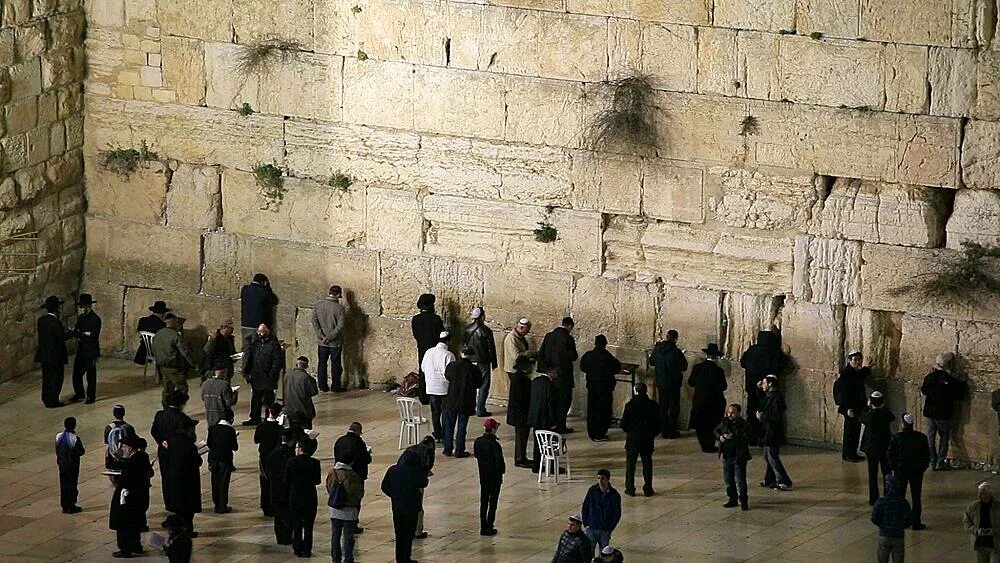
(982, 520)
(516, 361)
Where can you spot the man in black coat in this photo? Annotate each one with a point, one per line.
(641, 422)
(166, 424)
(601, 367)
(670, 364)
(558, 351)
(850, 395)
(909, 457)
(151, 323)
(275, 467)
(302, 474)
(772, 418)
(542, 410)
(88, 349)
(130, 501)
(262, 365)
(426, 326)
(219, 351)
(402, 484)
(518, 399)
(489, 456)
(267, 436)
(941, 389)
(51, 352)
(875, 443)
(257, 306)
(184, 474)
(760, 359)
(733, 433)
(464, 379)
(479, 338)
(709, 402)
(222, 443)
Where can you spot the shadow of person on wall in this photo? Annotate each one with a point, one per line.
(356, 330)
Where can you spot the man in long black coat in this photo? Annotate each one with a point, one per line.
(262, 365)
(558, 351)
(909, 457)
(542, 410)
(51, 352)
(257, 306)
(708, 405)
(489, 456)
(88, 349)
(130, 500)
(151, 323)
(426, 326)
(518, 399)
(601, 367)
(669, 364)
(851, 398)
(875, 442)
(184, 474)
(759, 360)
(402, 484)
(166, 424)
(275, 468)
(641, 422)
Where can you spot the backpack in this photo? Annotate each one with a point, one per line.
(115, 436)
(338, 493)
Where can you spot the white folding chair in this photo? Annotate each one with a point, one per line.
(147, 341)
(410, 420)
(553, 449)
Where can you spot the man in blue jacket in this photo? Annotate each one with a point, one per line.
(602, 509)
(892, 515)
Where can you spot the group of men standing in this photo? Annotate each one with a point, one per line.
(51, 351)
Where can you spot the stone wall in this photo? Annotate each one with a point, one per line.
(875, 154)
(41, 175)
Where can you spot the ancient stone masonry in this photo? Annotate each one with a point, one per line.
(41, 176)
(813, 157)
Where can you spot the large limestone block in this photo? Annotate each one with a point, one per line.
(813, 332)
(900, 214)
(106, 13)
(109, 298)
(834, 18)
(459, 102)
(606, 183)
(192, 135)
(981, 155)
(211, 21)
(300, 84)
(870, 145)
(377, 349)
(309, 211)
(512, 293)
(623, 253)
(922, 339)
(183, 64)
(717, 66)
(807, 392)
(194, 199)
(623, 311)
(986, 91)
(676, 11)
(906, 71)
(143, 255)
(953, 82)
(948, 24)
(974, 435)
(695, 314)
(458, 287)
(379, 93)
(706, 259)
(695, 127)
(393, 221)
(203, 315)
(744, 316)
(767, 15)
(673, 191)
(757, 70)
(502, 232)
(140, 196)
(975, 217)
(319, 150)
(979, 350)
(827, 270)
(810, 67)
(402, 279)
(256, 20)
(548, 44)
(670, 56)
(877, 334)
(767, 199)
(544, 112)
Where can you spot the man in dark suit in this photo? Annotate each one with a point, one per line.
(152, 323)
(641, 422)
(88, 349)
(257, 307)
(542, 410)
(51, 352)
(558, 351)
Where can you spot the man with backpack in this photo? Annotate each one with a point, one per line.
(346, 489)
(114, 433)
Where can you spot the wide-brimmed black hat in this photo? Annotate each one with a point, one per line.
(712, 350)
(159, 307)
(85, 299)
(52, 302)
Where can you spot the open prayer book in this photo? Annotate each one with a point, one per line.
(111, 472)
(202, 447)
(312, 434)
(236, 356)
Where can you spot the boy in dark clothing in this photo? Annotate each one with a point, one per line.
(602, 510)
(875, 443)
(302, 474)
(69, 450)
(733, 434)
(574, 547)
(112, 459)
(772, 419)
(489, 455)
(275, 468)
(268, 437)
(909, 456)
(221, 445)
(849, 394)
(891, 514)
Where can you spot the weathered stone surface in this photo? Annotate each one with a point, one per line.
(985, 91)
(193, 135)
(768, 15)
(633, 320)
(717, 66)
(623, 254)
(256, 20)
(299, 84)
(923, 338)
(827, 270)
(106, 13)
(767, 199)
(694, 313)
(899, 214)
(459, 102)
(756, 64)
(835, 18)
(309, 211)
(694, 127)
(952, 78)
(544, 112)
(808, 68)
(981, 155)
(140, 196)
(458, 287)
(402, 279)
(194, 198)
(813, 333)
(679, 11)
(808, 394)
(606, 183)
(906, 69)
(393, 221)
(673, 191)
(877, 335)
(744, 316)
(318, 150)
(670, 56)
(122, 252)
(914, 21)
(975, 217)
(379, 93)
(210, 21)
(183, 65)
(375, 351)
(512, 293)
(26, 79)
(503, 232)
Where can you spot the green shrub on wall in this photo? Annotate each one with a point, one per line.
(961, 279)
(124, 161)
(628, 119)
(271, 183)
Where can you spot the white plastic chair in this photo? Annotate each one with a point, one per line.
(410, 420)
(147, 341)
(553, 449)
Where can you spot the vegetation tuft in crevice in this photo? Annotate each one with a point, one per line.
(271, 184)
(628, 118)
(260, 57)
(546, 232)
(125, 161)
(959, 279)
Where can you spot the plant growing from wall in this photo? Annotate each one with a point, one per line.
(816, 35)
(271, 184)
(245, 110)
(749, 126)
(362, 56)
(356, 9)
(340, 181)
(260, 57)
(546, 232)
(961, 279)
(124, 161)
(628, 119)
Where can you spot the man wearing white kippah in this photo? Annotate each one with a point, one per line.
(982, 520)
(433, 365)
(875, 442)
(909, 456)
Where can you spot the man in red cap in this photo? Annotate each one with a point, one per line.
(489, 455)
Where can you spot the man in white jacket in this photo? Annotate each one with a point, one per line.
(433, 365)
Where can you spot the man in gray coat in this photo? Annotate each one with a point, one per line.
(300, 388)
(328, 323)
(218, 396)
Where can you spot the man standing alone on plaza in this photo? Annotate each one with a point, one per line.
(558, 352)
(262, 367)
(479, 339)
(772, 418)
(602, 510)
(892, 515)
(300, 388)
(734, 449)
(941, 389)
(982, 520)
(489, 456)
(640, 422)
(328, 324)
(670, 364)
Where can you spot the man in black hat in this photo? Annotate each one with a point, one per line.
(51, 352)
(257, 306)
(88, 349)
(152, 323)
(709, 402)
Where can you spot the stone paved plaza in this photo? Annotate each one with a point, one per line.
(824, 519)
